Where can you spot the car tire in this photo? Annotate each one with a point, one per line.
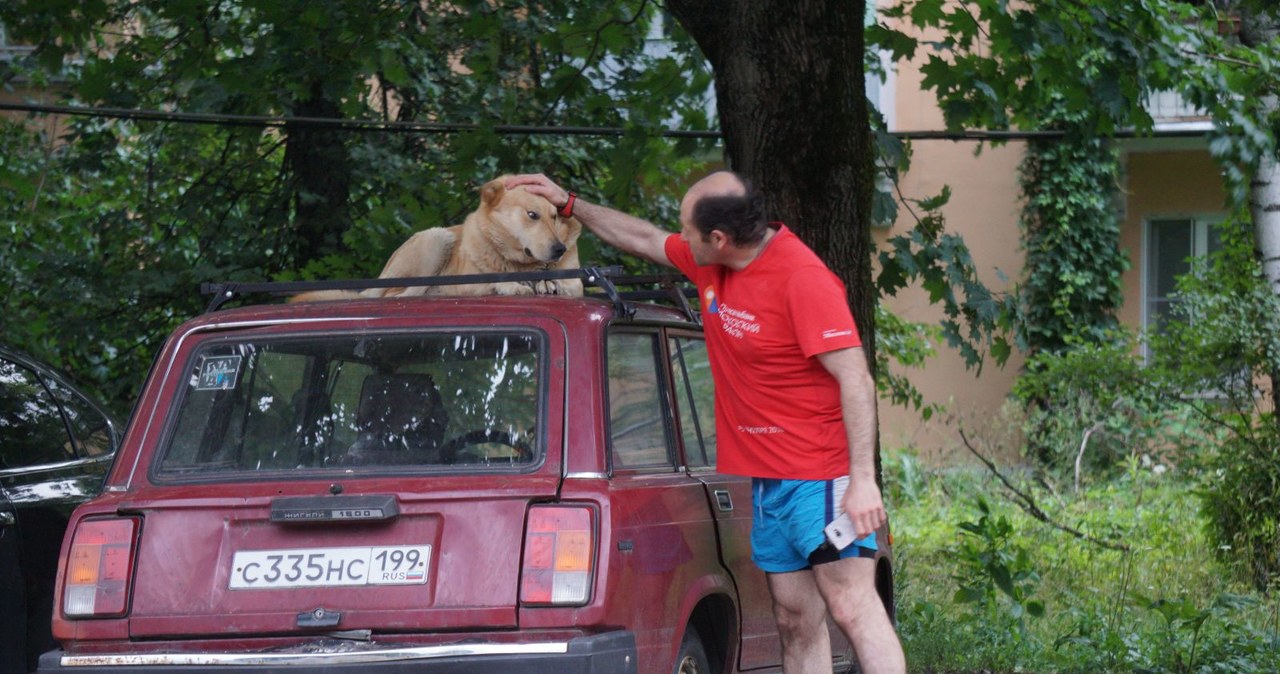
(692, 657)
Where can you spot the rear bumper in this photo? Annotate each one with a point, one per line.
(609, 653)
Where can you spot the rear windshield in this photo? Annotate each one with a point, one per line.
(362, 402)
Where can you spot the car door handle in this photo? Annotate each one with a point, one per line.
(724, 500)
(7, 520)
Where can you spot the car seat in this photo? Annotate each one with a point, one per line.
(401, 419)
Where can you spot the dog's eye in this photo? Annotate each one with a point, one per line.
(534, 215)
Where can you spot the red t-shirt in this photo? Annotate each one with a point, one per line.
(778, 411)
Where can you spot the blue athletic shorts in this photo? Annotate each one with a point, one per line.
(787, 522)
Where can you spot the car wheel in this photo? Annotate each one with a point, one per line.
(692, 658)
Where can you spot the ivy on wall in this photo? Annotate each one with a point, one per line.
(1071, 237)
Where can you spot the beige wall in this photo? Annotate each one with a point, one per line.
(984, 209)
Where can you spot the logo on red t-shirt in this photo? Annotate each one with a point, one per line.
(709, 298)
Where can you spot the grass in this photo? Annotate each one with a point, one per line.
(970, 582)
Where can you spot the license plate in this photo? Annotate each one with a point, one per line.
(330, 567)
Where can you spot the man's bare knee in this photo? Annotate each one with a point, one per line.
(797, 604)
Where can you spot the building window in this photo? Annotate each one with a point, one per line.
(10, 50)
(1171, 245)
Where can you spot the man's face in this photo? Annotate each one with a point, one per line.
(702, 248)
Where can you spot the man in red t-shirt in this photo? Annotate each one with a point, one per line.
(795, 405)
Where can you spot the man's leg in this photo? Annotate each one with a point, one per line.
(849, 590)
(801, 615)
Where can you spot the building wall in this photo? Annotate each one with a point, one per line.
(1162, 178)
(984, 209)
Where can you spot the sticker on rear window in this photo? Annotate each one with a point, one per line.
(218, 372)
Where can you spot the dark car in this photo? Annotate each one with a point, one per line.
(55, 447)
(427, 484)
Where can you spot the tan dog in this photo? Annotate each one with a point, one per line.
(511, 231)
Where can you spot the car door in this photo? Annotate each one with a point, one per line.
(729, 495)
(661, 519)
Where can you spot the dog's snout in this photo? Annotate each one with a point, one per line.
(558, 250)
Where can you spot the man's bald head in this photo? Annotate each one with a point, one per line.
(725, 201)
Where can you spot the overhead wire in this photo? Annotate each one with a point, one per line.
(390, 126)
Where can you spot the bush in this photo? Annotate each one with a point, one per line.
(1222, 343)
(970, 582)
(1094, 405)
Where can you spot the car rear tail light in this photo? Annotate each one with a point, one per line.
(559, 555)
(99, 568)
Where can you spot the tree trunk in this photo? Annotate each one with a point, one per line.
(321, 180)
(793, 108)
(1260, 28)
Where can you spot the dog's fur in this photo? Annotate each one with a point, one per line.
(512, 231)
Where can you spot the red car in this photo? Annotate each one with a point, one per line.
(422, 485)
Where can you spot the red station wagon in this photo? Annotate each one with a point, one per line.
(433, 484)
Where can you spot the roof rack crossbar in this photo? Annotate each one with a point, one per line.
(669, 287)
(226, 291)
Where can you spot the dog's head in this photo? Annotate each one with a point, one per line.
(525, 227)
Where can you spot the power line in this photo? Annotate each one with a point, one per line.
(371, 125)
(368, 125)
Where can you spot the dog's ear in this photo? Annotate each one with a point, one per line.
(492, 192)
(574, 228)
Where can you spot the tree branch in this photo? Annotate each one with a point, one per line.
(1029, 506)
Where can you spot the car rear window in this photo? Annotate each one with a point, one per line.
(362, 402)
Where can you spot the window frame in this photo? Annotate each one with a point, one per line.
(202, 348)
(658, 336)
(680, 395)
(1201, 222)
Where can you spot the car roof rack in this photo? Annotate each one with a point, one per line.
(671, 288)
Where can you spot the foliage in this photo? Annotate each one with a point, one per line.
(1223, 340)
(1088, 68)
(999, 64)
(940, 261)
(126, 218)
(908, 344)
(1096, 404)
(990, 566)
(1071, 236)
(1141, 610)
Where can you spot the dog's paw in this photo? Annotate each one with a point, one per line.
(546, 288)
(513, 289)
(567, 287)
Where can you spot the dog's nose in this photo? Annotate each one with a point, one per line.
(558, 250)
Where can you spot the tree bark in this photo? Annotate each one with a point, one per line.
(792, 105)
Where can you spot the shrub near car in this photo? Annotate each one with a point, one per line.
(427, 484)
(55, 446)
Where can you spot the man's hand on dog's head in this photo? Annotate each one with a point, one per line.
(536, 183)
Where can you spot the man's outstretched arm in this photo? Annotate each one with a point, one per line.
(626, 232)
